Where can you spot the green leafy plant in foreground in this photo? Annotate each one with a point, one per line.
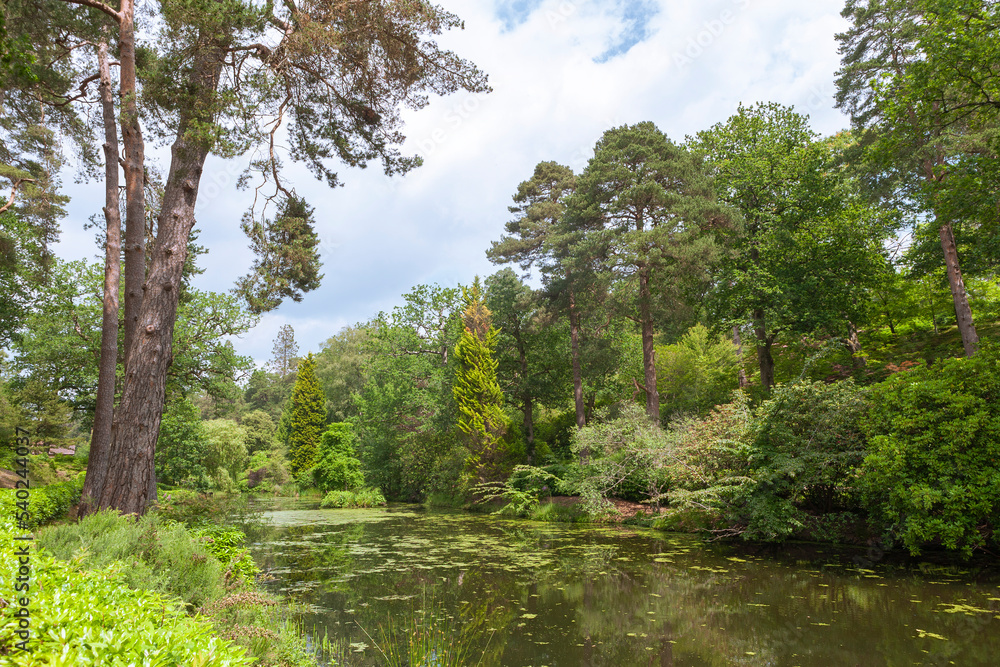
(522, 491)
(85, 617)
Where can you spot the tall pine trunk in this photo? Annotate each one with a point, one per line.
(100, 439)
(574, 339)
(137, 422)
(648, 351)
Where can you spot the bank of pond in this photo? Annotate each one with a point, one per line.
(297, 584)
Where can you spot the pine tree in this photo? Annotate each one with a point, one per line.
(476, 390)
(308, 416)
(285, 350)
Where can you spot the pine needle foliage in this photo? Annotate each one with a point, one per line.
(308, 416)
(476, 390)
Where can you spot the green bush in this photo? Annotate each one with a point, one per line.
(154, 554)
(934, 468)
(81, 617)
(807, 445)
(228, 545)
(357, 498)
(696, 373)
(45, 503)
(337, 469)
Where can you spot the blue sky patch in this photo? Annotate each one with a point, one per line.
(513, 14)
(635, 18)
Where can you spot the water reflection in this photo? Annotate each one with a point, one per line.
(517, 593)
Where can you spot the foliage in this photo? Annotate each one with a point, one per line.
(72, 609)
(364, 497)
(44, 504)
(696, 373)
(228, 545)
(406, 428)
(623, 454)
(477, 394)
(807, 446)
(156, 554)
(183, 447)
(340, 369)
(933, 470)
(259, 432)
(308, 417)
(337, 469)
(286, 260)
(521, 491)
(227, 451)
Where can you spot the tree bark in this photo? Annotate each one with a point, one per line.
(574, 339)
(963, 314)
(738, 342)
(648, 351)
(764, 357)
(100, 439)
(854, 346)
(135, 198)
(137, 424)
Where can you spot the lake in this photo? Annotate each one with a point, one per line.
(408, 586)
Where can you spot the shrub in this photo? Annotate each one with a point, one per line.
(228, 545)
(81, 617)
(357, 498)
(807, 445)
(46, 503)
(624, 454)
(155, 555)
(696, 373)
(226, 452)
(934, 468)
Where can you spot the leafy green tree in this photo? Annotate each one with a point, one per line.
(182, 447)
(918, 111)
(651, 205)
(406, 424)
(531, 351)
(933, 473)
(336, 468)
(479, 398)
(340, 366)
(308, 416)
(696, 373)
(260, 433)
(45, 415)
(268, 392)
(540, 236)
(226, 456)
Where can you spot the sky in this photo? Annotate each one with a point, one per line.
(562, 73)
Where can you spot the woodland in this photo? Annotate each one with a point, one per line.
(754, 333)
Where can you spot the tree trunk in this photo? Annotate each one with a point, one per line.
(527, 400)
(738, 342)
(135, 197)
(648, 352)
(137, 423)
(854, 345)
(963, 314)
(764, 357)
(574, 338)
(100, 439)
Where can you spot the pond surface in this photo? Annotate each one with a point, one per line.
(441, 588)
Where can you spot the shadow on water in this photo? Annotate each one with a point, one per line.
(403, 586)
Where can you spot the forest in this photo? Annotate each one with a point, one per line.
(754, 333)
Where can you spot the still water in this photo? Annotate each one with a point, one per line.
(407, 586)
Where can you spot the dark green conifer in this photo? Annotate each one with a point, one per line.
(308, 416)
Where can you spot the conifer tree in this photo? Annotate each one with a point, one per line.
(476, 390)
(308, 416)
